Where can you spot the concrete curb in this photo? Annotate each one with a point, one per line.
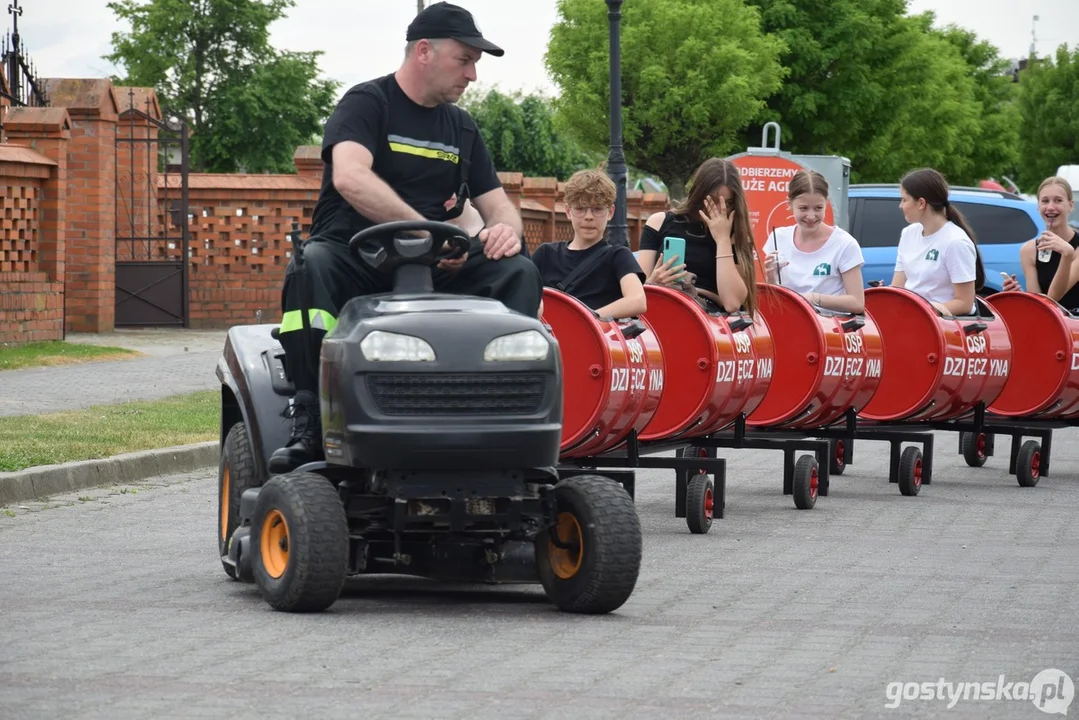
(45, 480)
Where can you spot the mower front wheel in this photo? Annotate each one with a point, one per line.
(236, 473)
(299, 536)
(589, 561)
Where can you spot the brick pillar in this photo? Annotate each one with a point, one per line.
(48, 131)
(543, 191)
(308, 161)
(512, 183)
(91, 201)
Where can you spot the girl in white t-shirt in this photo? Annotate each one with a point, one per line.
(937, 257)
(821, 262)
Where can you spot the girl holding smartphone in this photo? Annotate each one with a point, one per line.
(714, 222)
(821, 262)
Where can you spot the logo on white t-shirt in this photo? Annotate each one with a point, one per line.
(932, 255)
(824, 269)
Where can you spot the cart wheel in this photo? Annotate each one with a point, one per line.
(1028, 464)
(837, 464)
(910, 471)
(589, 561)
(235, 474)
(300, 539)
(973, 447)
(805, 482)
(700, 502)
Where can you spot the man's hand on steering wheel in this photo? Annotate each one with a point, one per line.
(499, 241)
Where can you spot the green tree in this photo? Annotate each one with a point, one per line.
(694, 73)
(996, 149)
(833, 95)
(888, 91)
(931, 117)
(1049, 107)
(520, 133)
(211, 63)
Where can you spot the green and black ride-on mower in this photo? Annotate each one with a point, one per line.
(441, 425)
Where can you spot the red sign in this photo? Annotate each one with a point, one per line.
(766, 179)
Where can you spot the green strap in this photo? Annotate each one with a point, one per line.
(292, 320)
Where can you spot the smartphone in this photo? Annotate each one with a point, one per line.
(674, 246)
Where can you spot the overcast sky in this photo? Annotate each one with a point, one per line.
(365, 38)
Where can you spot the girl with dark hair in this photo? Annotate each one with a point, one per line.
(937, 257)
(714, 221)
(823, 262)
(1048, 260)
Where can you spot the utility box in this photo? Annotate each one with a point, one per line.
(766, 172)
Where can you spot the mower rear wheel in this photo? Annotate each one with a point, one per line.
(236, 473)
(299, 536)
(589, 561)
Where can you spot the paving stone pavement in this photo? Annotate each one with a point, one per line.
(114, 605)
(177, 362)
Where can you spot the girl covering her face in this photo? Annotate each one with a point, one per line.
(720, 253)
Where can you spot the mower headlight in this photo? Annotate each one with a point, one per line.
(527, 345)
(381, 346)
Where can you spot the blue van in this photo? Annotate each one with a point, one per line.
(1001, 221)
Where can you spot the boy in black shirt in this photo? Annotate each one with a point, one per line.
(398, 148)
(604, 277)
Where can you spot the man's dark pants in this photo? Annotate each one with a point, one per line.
(335, 275)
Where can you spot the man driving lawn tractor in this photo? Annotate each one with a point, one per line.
(398, 148)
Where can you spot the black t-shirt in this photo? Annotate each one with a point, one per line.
(599, 286)
(700, 247)
(416, 151)
(1046, 271)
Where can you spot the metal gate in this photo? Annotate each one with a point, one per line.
(152, 216)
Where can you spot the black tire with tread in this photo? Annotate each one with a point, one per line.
(805, 472)
(836, 464)
(698, 516)
(612, 547)
(318, 543)
(910, 471)
(237, 455)
(1026, 473)
(968, 442)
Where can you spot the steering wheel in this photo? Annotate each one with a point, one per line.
(390, 245)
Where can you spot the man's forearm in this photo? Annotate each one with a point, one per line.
(374, 199)
(507, 214)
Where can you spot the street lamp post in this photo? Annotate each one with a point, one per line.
(617, 232)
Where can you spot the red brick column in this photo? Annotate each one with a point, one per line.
(91, 201)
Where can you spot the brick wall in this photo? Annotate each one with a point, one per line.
(31, 301)
(238, 245)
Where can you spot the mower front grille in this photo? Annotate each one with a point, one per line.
(458, 394)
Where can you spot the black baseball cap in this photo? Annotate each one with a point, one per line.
(443, 20)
